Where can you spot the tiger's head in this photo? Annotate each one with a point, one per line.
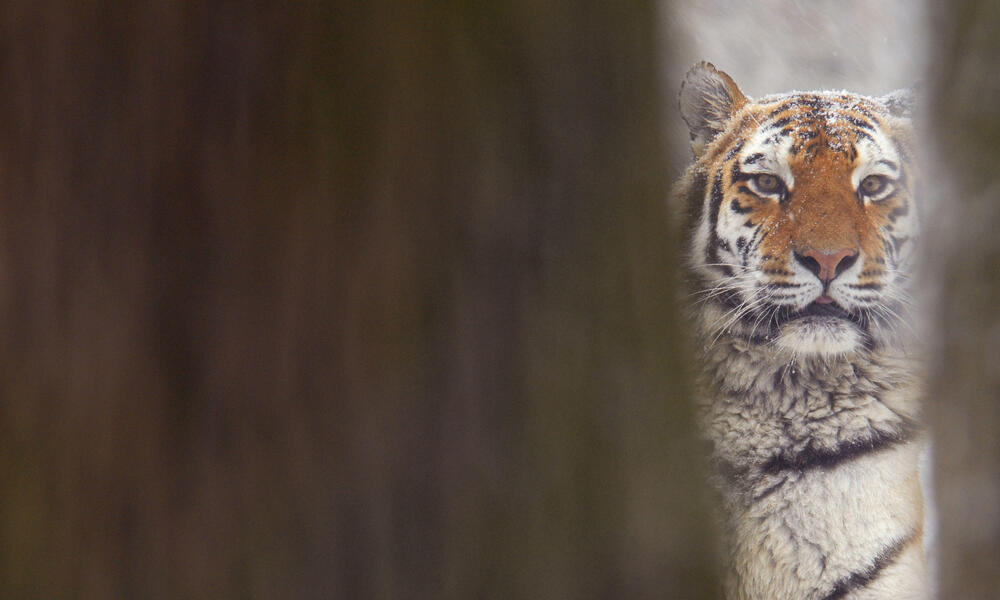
(802, 217)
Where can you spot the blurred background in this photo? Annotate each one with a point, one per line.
(380, 299)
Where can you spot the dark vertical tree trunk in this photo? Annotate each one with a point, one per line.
(965, 387)
(352, 300)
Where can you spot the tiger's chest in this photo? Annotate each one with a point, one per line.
(818, 469)
(825, 530)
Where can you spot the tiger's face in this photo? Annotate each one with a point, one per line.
(803, 219)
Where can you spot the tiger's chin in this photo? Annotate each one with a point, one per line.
(823, 336)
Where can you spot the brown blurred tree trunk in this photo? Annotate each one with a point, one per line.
(352, 300)
(965, 386)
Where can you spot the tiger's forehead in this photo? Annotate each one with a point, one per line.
(791, 130)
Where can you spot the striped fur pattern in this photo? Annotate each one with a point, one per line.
(802, 223)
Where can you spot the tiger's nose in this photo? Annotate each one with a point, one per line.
(827, 265)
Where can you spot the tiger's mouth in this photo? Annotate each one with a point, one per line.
(824, 309)
(820, 311)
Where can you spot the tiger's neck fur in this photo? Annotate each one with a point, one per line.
(817, 462)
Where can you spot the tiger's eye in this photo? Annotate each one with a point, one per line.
(768, 183)
(872, 185)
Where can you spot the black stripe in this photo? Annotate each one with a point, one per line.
(753, 158)
(745, 189)
(806, 101)
(816, 102)
(780, 123)
(758, 237)
(781, 108)
(900, 211)
(713, 219)
(862, 135)
(859, 123)
(813, 147)
(734, 150)
(785, 377)
(735, 205)
(825, 458)
(744, 248)
(863, 111)
(865, 286)
(860, 579)
(889, 252)
(769, 490)
(782, 284)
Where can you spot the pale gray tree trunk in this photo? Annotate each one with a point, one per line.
(964, 396)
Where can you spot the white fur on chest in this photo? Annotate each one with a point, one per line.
(817, 530)
(800, 527)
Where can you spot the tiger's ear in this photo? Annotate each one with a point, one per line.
(708, 99)
(900, 103)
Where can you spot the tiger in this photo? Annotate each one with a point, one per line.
(802, 226)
